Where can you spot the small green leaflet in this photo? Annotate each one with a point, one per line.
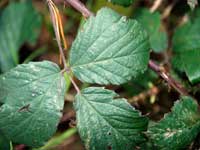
(178, 128)
(19, 23)
(152, 23)
(32, 97)
(187, 49)
(109, 49)
(122, 2)
(106, 123)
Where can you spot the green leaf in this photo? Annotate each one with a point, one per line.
(107, 123)
(19, 23)
(32, 97)
(178, 128)
(152, 23)
(122, 2)
(159, 41)
(109, 49)
(187, 50)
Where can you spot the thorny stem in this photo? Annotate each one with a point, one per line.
(153, 66)
(58, 29)
(161, 72)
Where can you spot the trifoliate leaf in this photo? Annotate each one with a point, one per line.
(19, 23)
(32, 97)
(122, 2)
(109, 49)
(186, 47)
(107, 123)
(178, 128)
(152, 23)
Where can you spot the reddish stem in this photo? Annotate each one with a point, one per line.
(173, 83)
(78, 5)
(20, 147)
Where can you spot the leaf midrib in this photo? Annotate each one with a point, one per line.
(105, 60)
(98, 113)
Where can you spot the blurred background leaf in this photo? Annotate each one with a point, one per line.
(20, 23)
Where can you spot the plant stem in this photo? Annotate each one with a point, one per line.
(54, 18)
(58, 29)
(75, 85)
(173, 83)
(80, 7)
(155, 6)
(160, 71)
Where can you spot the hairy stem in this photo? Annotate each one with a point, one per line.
(160, 71)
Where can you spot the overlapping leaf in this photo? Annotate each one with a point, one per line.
(178, 128)
(109, 48)
(107, 123)
(152, 23)
(32, 97)
(186, 47)
(19, 22)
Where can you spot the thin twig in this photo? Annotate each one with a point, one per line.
(80, 7)
(168, 9)
(75, 85)
(59, 33)
(155, 6)
(173, 83)
(57, 28)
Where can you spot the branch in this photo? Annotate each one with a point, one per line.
(155, 6)
(173, 83)
(80, 7)
(160, 71)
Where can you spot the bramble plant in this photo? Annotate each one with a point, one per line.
(109, 49)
